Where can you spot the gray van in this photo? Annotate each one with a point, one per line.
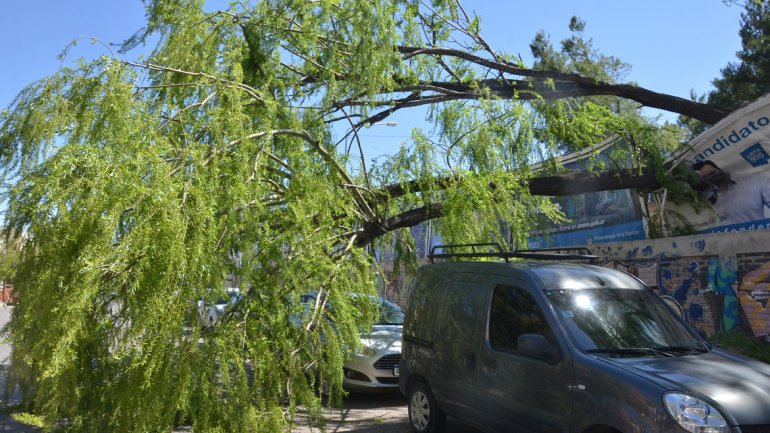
(549, 346)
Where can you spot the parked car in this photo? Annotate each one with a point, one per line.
(544, 346)
(375, 365)
(210, 313)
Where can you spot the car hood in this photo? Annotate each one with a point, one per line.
(383, 338)
(739, 386)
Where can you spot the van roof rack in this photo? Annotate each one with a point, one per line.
(494, 250)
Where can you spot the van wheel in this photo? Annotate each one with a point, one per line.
(424, 414)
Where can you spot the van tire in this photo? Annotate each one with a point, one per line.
(424, 415)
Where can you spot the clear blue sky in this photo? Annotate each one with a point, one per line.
(673, 46)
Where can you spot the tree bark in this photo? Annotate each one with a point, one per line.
(572, 183)
(373, 230)
(554, 85)
(576, 182)
(579, 182)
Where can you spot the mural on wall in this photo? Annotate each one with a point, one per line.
(687, 280)
(721, 279)
(703, 286)
(715, 292)
(753, 292)
(684, 280)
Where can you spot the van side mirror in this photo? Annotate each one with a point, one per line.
(537, 346)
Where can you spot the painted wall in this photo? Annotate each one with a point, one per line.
(721, 280)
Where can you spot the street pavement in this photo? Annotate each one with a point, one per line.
(361, 413)
(374, 413)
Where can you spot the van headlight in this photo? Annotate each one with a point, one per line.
(694, 415)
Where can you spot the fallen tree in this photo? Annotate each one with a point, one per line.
(145, 187)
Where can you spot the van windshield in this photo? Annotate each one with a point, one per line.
(622, 322)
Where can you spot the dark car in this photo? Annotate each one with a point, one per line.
(543, 346)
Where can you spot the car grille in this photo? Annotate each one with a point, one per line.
(765, 428)
(387, 362)
(388, 380)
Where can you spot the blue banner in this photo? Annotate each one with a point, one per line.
(631, 231)
(595, 217)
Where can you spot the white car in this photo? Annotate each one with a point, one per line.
(211, 313)
(375, 365)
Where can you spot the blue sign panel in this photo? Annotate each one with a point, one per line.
(596, 217)
(631, 231)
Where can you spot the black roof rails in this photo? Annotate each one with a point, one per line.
(494, 250)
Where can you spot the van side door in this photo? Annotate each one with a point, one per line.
(457, 344)
(519, 391)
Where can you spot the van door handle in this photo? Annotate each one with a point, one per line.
(470, 360)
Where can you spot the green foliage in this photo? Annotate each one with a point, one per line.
(577, 123)
(739, 342)
(577, 55)
(10, 253)
(748, 79)
(29, 419)
(145, 187)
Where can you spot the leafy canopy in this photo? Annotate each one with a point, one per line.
(749, 78)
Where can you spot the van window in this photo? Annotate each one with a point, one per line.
(460, 318)
(513, 313)
(427, 300)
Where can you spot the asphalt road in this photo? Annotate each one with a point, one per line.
(361, 413)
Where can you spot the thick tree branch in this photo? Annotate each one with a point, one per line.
(532, 90)
(410, 218)
(576, 182)
(540, 84)
(579, 182)
(581, 86)
(559, 185)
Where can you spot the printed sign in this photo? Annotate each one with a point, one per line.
(732, 158)
(596, 217)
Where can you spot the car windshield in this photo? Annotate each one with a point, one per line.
(390, 313)
(622, 322)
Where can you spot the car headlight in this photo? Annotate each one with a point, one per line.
(365, 351)
(694, 415)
